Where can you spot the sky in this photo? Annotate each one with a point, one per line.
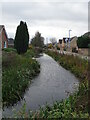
(52, 18)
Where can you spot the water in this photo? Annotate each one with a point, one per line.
(52, 84)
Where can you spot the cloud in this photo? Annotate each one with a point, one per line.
(44, 11)
(46, 1)
(0, 13)
(50, 18)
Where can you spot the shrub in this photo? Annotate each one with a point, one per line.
(58, 48)
(74, 50)
(83, 42)
(9, 49)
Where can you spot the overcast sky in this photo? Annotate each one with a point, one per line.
(50, 18)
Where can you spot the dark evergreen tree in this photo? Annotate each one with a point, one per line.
(83, 42)
(21, 38)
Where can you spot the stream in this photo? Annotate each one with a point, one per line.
(52, 84)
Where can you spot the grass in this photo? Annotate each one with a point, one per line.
(9, 49)
(17, 73)
(76, 105)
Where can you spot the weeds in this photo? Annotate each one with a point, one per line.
(17, 72)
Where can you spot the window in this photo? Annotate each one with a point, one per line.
(5, 44)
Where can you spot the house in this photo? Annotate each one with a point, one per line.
(85, 51)
(59, 44)
(64, 44)
(10, 42)
(73, 44)
(3, 37)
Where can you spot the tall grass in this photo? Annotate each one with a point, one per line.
(17, 72)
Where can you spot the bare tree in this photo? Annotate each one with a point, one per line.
(53, 41)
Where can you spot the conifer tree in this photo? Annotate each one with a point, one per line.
(21, 38)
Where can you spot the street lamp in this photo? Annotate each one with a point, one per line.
(69, 37)
(47, 42)
(66, 41)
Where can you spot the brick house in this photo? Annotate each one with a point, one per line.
(3, 37)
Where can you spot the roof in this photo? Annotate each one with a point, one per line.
(10, 41)
(1, 26)
(73, 37)
(60, 41)
(65, 39)
(68, 39)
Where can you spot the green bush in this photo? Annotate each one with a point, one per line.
(9, 49)
(83, 42)
(88, 45)
(58, 48)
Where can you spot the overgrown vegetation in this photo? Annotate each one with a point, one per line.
(76, 105)
(17, 72)
(73, 63)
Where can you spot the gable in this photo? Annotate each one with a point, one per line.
(3, 33)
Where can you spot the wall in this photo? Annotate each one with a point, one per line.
(3, 38)
(83, 51)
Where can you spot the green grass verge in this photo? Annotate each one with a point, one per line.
(17, 72)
